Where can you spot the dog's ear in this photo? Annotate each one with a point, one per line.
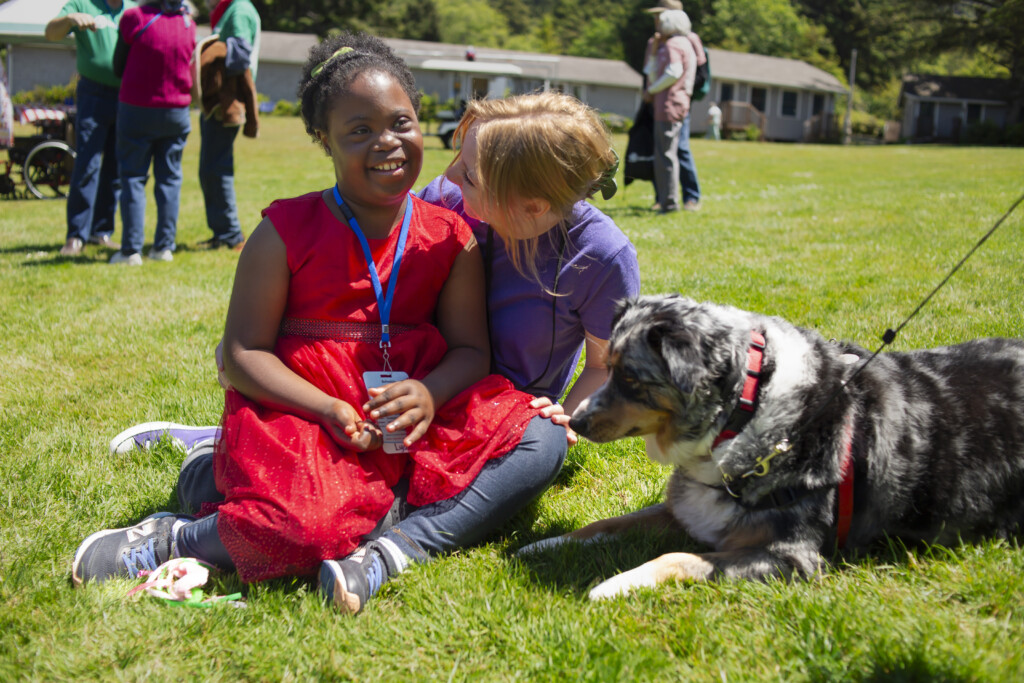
(677, 352)
(621, 306)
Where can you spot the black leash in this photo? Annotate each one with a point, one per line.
(762, 464)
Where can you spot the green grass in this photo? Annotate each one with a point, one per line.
(846, 240)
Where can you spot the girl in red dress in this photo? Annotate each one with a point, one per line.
(357, 349)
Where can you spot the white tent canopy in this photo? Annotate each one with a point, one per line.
(24, 21)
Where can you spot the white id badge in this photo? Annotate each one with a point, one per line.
(392, 440)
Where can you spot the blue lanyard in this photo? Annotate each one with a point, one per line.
(383, 302)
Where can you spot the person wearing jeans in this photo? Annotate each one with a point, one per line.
(670, 66)
(687, 169)
(95, 187)
(153, 55)
(148, 135)
(237, 24)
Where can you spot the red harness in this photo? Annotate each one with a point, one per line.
(744, 412)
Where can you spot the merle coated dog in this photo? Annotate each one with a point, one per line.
(784, 444)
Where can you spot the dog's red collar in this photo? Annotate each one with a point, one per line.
(744, 410)
(844, 513)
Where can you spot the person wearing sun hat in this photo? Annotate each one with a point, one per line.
(665, 5)
(670, 66)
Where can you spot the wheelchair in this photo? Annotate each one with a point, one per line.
(43, 161)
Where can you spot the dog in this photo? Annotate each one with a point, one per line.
(785, 445)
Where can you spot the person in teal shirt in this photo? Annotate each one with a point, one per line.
(95, 187)
(237, 23)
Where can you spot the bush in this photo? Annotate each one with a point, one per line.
(982, 133)
(286, 108)
(1015, 135)
(617, 123)
(428, 109)
(862, 123)
(56, 94)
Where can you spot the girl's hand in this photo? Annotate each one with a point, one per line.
(349, 430)
(556, 414)
(410, 400)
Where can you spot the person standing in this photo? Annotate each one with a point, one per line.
(670, 67)
(237, 24)
(95, 186)
(714, 122)
(153, 56)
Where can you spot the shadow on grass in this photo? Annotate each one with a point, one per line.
(37, 255)
(617, 213)
(578, 566)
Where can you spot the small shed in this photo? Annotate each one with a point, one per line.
(942, 107)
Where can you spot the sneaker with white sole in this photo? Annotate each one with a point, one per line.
(161, 255)
(122, 553)
(350, 583)
(119, 258)
(148, 434)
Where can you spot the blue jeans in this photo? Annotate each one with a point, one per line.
(687, 167)
(148, 135)
(95, 186)
(503, 487)
(217, 178)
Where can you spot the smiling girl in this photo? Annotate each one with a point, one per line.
(356, 346)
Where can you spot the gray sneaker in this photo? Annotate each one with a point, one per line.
(122, 553)
(350, 583)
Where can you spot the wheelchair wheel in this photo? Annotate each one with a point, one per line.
(47, 169)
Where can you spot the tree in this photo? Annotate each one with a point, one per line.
(992, 28)
(769, 27)
(472, 22)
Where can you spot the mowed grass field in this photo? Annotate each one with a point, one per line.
(845, 240)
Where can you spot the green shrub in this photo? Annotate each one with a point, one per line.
(1015, 135)
(616, 122)
(862, 123)
(55, 94)
(428, 109)
(752, 133)
(286, 108)
(985, 133)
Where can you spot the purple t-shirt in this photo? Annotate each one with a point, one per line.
(599, 268)
(158, 72)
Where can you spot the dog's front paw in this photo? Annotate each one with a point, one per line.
(555, 541)
(623, 584)
(677, 566)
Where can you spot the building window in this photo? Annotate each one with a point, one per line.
(818, 104)
(973, 113)
(759, 98)
(788, 103)
(726, 94)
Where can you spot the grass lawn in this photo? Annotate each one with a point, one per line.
(845, 240)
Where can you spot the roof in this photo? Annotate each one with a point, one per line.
(971, 88)
(26, 20)
(292, 48)
(771, 71)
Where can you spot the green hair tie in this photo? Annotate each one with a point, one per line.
(606, 183)
(337, 53)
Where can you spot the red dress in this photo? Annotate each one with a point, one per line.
(293, 497)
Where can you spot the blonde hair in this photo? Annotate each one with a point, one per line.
(545, 146)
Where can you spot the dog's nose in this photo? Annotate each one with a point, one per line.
(579, 423)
